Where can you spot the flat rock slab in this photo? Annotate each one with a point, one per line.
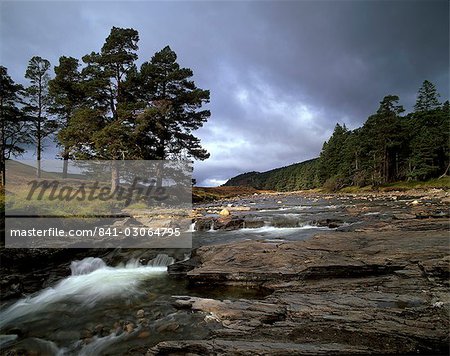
(374, 292)
(332, 255)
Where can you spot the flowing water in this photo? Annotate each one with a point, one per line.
(115, 304)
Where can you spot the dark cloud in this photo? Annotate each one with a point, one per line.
(281, 73)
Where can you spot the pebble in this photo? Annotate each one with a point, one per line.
(140, 313)
(143, 321)
(129, 327)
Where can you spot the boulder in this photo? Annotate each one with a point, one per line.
(224, 212)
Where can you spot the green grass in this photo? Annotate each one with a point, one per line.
(44, 206)
(355, 189)
(437, 183)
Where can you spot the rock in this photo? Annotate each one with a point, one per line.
(140, 313)
(242, 309)
(129, 327)
(228, 223)
(224, 212)
(129, 221)
(252, 347)
(415, 202)
(404, 216)
(330, 223)
(279, 202)
(101, 331)
(144, 334)
(143, 321)
(169, 327)
(86, 334)
(341, 293)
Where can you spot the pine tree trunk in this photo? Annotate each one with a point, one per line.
(66, 162)
(39, 149)
(446, 172)
(160, 165)
(115, 177)
(39, 131)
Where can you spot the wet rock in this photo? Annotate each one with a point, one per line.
(404, 216)
(143, 321)
(144, 334)
(86, 334)
(228, 224)
(129, 327)
(129, 221)
(381, 291)
(252, 312)
(168, 327)
(140, 313)
(180, 269)
(251, 347)
(253, 224)
(330, 223)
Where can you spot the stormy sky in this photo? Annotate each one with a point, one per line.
(281, 73)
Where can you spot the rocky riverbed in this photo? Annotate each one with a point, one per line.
(278, 274)
(381, 288)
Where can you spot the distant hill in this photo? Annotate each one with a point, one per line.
(294, 177)
(22, 173)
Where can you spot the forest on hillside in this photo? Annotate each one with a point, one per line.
(104, 107)
(390, 146)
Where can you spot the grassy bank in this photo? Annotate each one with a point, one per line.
(205, 194)
(441, 183)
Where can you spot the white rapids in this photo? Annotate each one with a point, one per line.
(91, 281)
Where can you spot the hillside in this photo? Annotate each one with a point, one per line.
(294, 177)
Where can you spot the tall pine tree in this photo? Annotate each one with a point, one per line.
(66, 96)
(15, 129)
(37, 105)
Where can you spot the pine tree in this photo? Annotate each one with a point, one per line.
(131, 114)
(173, 108)
(380, 141)
(427, 98)
(15, 130)
(330, 164)
(429, 135)
(38, 101)
(66, 96)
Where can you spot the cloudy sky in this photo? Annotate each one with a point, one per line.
(281, 73)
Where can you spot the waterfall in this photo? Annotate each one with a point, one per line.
(86, 266)
(192, 227)
(211, 227)
(88, 288)
(161, 260)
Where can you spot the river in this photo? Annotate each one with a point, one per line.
(122, 301)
